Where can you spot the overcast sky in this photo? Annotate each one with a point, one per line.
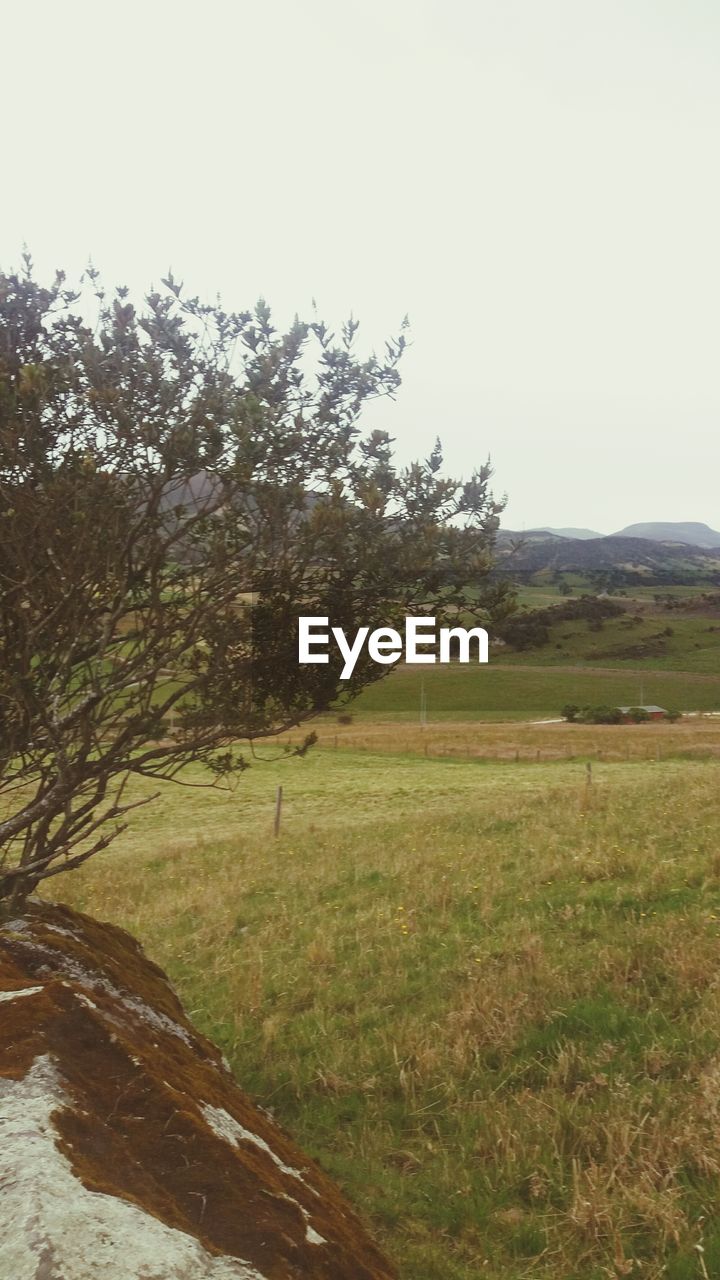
(535, 182)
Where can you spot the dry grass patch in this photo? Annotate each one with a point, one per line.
(694, 737)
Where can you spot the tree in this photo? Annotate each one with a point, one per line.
(600, 715)
(638, 715)
(178, 484)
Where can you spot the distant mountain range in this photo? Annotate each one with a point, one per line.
(689, 531)
(646, 549)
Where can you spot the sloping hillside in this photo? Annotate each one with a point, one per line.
(537, 551)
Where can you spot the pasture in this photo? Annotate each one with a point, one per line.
(522, 690)
(694, 737)
(649, 640)
(483, 993)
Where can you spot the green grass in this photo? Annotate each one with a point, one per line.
(486, 997)
(692, 646)
(534, 594)
(538, 597)
(522, 692)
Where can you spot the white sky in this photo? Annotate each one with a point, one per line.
(536, 182)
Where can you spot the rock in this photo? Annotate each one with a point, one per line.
(127, 1151)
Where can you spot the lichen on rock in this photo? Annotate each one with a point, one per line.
(126, 1147)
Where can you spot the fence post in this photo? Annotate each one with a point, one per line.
(278, 811)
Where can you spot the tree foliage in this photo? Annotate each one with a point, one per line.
(178, 483)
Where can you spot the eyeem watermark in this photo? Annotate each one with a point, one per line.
(386, 645)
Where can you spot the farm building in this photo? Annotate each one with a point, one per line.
(652, 712)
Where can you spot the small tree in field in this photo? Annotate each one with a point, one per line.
(177, 485)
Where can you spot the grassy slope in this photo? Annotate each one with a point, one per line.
(519, 692)
(486, 998)
(694, 644)
(680, 671)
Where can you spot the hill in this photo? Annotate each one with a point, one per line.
(537, 551)
(571, 533)
(686, 531)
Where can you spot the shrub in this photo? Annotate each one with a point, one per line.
(638, 715)
(601, 715)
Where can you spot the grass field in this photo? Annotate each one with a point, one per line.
(656, 642)
(524, 691)
(695, 737)
(543, 591)
(485, 995)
